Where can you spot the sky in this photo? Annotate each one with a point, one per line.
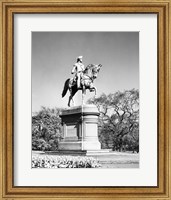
(54, 54)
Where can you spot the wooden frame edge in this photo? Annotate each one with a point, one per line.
(1, 106)
(7, 190)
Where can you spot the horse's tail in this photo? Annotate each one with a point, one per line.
(66, 86)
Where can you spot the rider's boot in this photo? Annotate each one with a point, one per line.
(78, 85)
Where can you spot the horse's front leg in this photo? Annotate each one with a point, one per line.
(95, 91)
(93, 88)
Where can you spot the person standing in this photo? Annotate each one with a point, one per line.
(78, 69)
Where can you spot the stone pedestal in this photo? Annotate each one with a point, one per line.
(80, 128)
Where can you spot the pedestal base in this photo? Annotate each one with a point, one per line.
(89, 145)
(81, 152)
(80, 128)
(70, 145)
(79, 145)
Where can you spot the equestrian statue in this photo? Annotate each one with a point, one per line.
(83, 79)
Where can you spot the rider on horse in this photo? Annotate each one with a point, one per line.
(78, 69)
(87, 74)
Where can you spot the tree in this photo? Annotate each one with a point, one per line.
(119, 119)
(46, 129)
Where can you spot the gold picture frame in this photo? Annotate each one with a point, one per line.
(11, 7)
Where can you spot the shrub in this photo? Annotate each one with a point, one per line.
(39, 161)
(46, 129)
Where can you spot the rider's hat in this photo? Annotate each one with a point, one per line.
(79, 57)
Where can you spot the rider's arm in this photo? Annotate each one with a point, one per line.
(83, 67)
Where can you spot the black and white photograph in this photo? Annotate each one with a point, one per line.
(85, 99)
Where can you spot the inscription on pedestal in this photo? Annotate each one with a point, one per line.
(71, 132)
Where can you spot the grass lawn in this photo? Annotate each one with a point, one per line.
(119, 160)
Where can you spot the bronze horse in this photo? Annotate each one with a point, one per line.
(89, 74)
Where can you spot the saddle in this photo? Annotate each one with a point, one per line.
(74, 80)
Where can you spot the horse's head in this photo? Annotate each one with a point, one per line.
(95, 70)
(92, 70)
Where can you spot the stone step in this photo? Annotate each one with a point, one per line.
(80, 152)
(66, 152)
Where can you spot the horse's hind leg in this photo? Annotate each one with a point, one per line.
(70, 97)
(83, 94)
(72, 101)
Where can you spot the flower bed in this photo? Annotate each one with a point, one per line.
(39, 161)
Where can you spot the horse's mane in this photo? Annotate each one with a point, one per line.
(90, 66)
